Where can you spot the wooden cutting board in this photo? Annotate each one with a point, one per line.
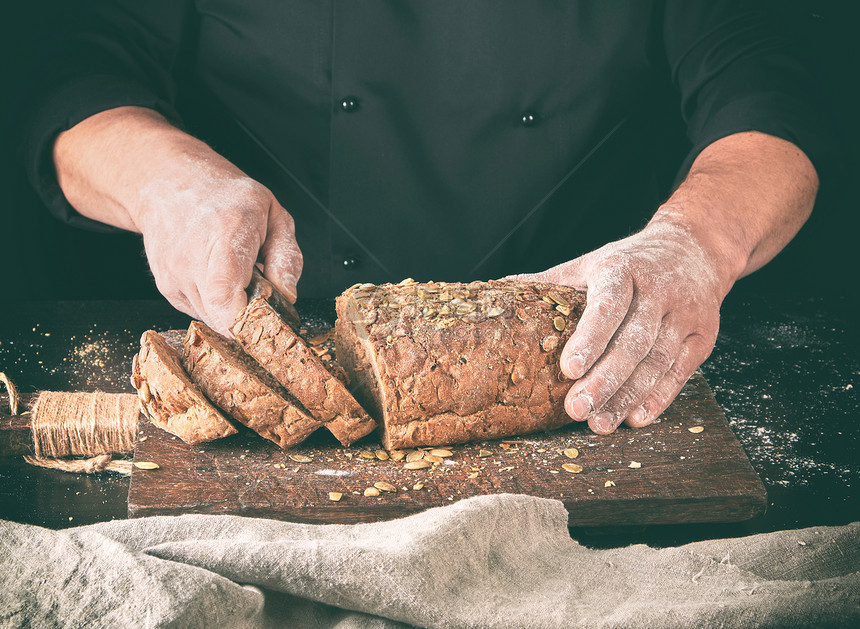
(661, 474)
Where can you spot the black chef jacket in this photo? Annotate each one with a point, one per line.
(442, 140)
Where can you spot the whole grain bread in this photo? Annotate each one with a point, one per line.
(169, 398)
(239, 386)
(320, 385)
(443, 363)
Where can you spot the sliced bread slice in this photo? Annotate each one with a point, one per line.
(282, 351)
(243, 389)
(169, 398)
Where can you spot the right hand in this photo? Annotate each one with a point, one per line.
(204, 228)
(205, 223)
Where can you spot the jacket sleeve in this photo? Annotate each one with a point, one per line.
(738, 67)
(106, 54)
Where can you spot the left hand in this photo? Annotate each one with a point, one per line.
(651, 319)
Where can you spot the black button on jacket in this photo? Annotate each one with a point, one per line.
(440, 140)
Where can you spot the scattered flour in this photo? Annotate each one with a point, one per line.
(788, 392)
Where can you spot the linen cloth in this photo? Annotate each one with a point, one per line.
(490, 561)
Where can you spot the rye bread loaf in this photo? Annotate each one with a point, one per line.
(169, 398)
(276, 346)
(240, 387)
(446, 363)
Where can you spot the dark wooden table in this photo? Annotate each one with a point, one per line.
(784, 370)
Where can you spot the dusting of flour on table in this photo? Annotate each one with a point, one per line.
(762, 408)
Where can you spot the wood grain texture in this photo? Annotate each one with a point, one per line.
(684, 476)
(16, 438)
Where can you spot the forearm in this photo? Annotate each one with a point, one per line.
(744, 199)
(107, 163)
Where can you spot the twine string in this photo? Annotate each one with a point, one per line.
(89, 424)
(13, 393)
(94, 425)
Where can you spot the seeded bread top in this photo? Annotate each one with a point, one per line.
(459, 348)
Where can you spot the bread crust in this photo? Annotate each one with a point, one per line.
(278, 348)
(243, 389)
(169, 398)
(444, 363)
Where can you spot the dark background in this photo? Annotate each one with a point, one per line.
(40, 258)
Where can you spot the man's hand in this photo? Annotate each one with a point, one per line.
(653, 299)
(651, 319)
(204, 229)
(204, 222)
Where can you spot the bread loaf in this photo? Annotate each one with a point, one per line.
(446, 363)
(239, 386)
(168, 396)
(276, 346)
